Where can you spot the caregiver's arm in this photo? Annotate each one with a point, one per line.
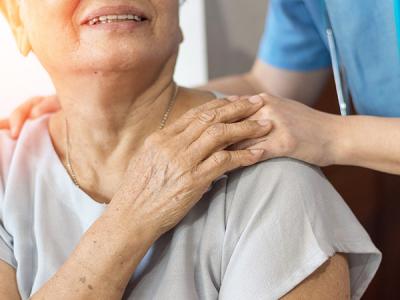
(369, 142)
(305, 87)
(325, 139)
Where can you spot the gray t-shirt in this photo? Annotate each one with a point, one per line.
(256, 234)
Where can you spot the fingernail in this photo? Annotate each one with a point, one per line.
(255, 99)
(264, 122)
(257, 152)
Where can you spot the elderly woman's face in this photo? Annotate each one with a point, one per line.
(82, 35)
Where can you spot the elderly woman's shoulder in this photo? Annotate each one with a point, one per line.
(7, 146)
(279, 184)
(27, 143)
(31, 130)
(278, 172)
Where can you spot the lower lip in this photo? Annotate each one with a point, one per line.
(123, 25)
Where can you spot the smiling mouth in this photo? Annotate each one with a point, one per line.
(116, 19)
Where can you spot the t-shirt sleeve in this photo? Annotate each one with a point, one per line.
(283, 221)
(291, 39)
(6, 241)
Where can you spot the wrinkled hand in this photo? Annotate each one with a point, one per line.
(31, 109)
(176, 165)
(298, 132)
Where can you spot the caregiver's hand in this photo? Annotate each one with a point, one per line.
(176, 166)
(298, 132)
(31, 109)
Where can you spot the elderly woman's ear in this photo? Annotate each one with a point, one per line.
(11, 11)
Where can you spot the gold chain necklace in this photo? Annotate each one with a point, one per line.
(163, 122)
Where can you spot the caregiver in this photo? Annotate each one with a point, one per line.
(295, 59)
(119, 195)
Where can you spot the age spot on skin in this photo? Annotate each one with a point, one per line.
(90, 287)
(82, 279)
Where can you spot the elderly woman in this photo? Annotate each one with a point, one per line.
(122, 194)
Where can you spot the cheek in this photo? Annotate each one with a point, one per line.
(50, 26)
(167, 12)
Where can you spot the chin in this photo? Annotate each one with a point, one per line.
(119, 61)
(127, 54)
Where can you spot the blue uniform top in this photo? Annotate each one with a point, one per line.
(366, 38)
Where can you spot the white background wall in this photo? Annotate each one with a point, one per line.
(21, 78)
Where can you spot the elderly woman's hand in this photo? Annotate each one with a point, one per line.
(298, 132)
(177, 165)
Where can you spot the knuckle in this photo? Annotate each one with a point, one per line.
(222, 158)
(248, 126)
(266, 111)
(191, 179)
(207, 116)
(217, 130)
(154, 140)
(240, 158)
(240, 105)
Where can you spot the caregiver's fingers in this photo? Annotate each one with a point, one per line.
(46, 105)
(4, 124)
(19, 116)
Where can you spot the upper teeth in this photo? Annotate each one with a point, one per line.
(114, 18)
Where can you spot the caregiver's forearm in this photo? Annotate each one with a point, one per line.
(305, 87)
(241, 84)
(103, 263)
(369, 142)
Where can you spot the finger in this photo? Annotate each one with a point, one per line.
(245, 97)
(223, 162)
(233, 98)
(232, 112)
(4, 124)
(47, 105)
(271, 149)
(182, 123)
(247, 144)
(220, 136)
(18, 118)
(236, 110)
